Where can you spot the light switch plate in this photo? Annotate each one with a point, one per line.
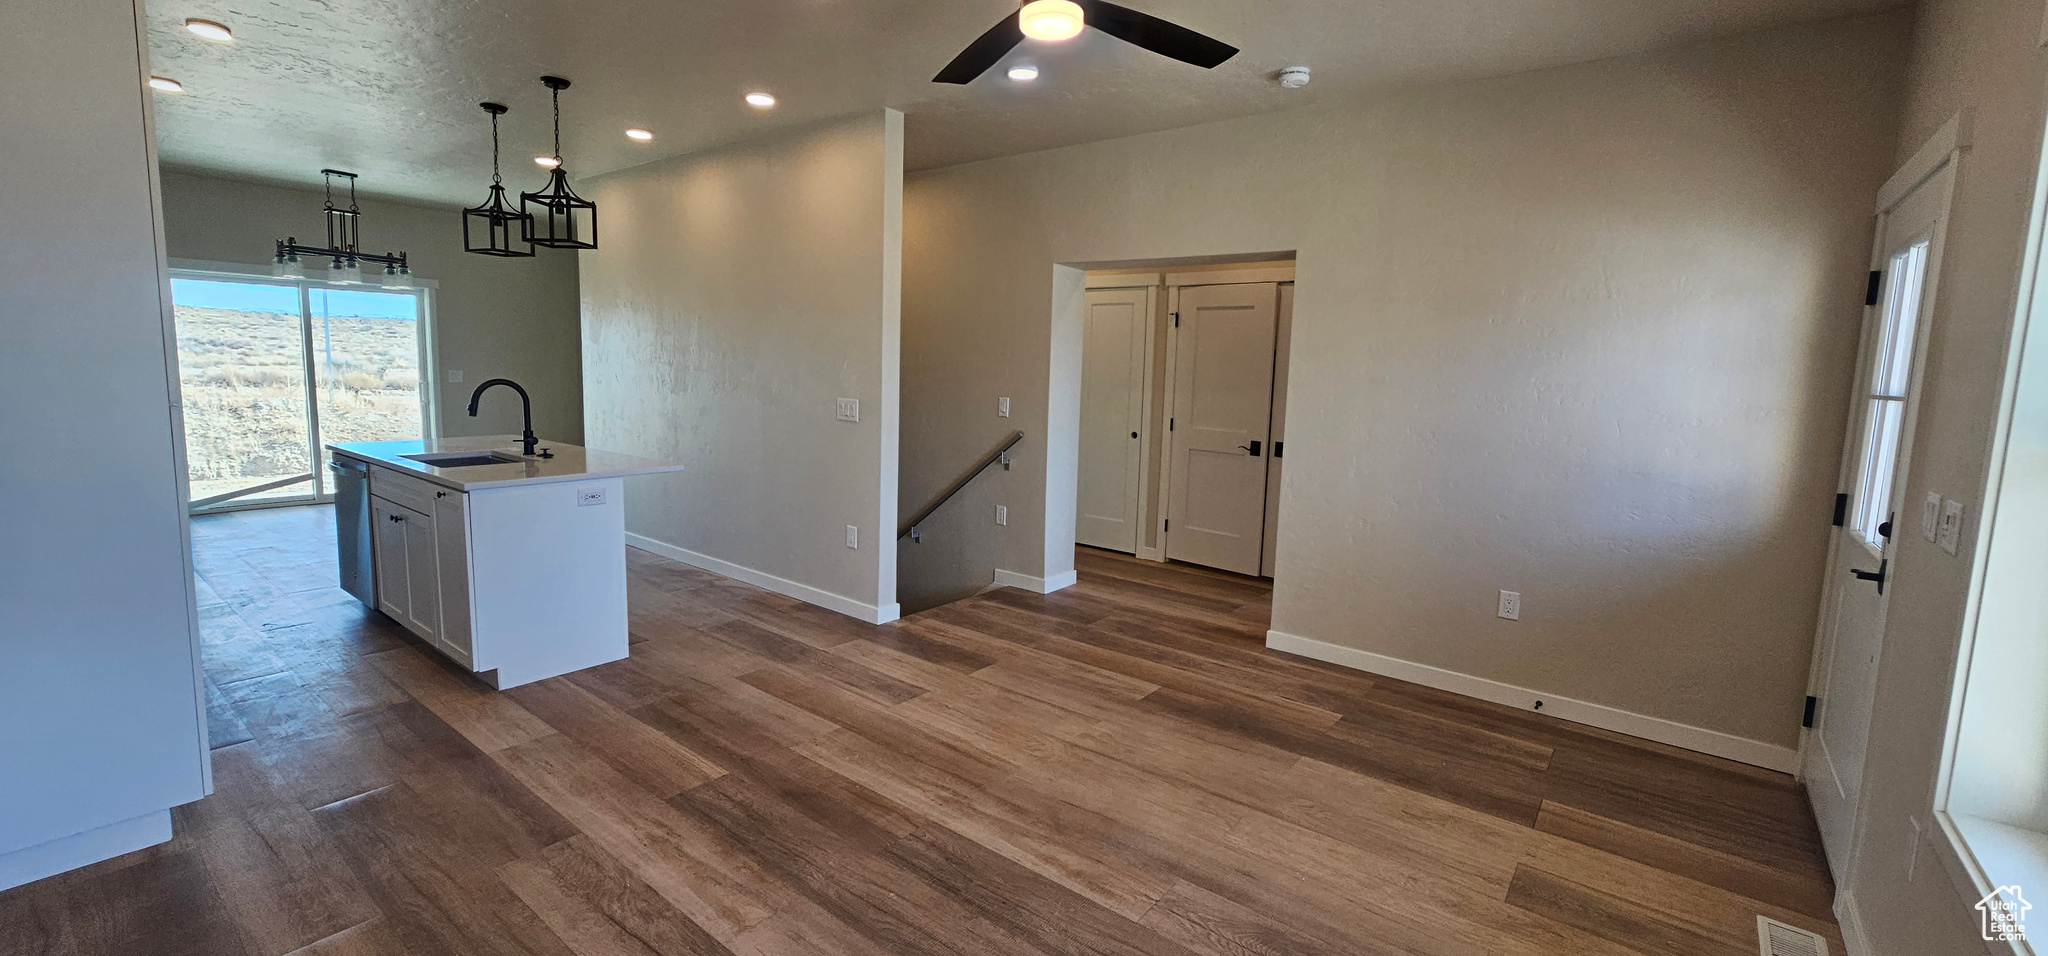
(590, 497)
(849, 410)
(1002, 408)
(1930, 516)
(454, 376)
(1950, 536)
(853, 537)
(1511, 605)
(1002, 515)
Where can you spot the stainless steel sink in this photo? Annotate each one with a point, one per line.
(463, 459)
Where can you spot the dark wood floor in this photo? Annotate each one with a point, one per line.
(1119, 768)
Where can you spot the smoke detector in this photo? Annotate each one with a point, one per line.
(1294, 77)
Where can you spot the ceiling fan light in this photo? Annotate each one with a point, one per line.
(1051, 19)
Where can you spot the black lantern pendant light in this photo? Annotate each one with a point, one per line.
(496, 228)
(556, 216)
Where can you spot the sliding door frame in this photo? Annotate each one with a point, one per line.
(423, 292)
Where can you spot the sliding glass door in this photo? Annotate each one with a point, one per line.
(273, 370)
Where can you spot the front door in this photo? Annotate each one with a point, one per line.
(1219, 430)
(1878, 446)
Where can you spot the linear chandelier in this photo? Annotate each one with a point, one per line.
(343, 249)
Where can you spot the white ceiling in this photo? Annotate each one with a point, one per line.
(388, 88)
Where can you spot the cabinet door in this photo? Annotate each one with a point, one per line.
(387, 536)
(451, 547)
(422, 576)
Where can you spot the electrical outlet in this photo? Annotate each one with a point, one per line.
(1002, 407)
(1002, 515)
(853, 537)
(1930, 516)
(590, 497)
(1950, 536)
(454, 376)
(1511, 605)
(849, 409)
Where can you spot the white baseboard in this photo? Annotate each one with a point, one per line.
(1741, 749)
(762, 579)
(33, 863)
(1036, 585)
(1850, 919)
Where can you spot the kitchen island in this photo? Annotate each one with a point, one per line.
(512, 565)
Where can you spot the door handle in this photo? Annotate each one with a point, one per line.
(1253, 448)
(1883, 569)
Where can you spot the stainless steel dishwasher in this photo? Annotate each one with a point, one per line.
(352, 528)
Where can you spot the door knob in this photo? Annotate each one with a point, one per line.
(1253, 448)
(1883, 568)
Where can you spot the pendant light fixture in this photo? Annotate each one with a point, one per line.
(344, 249)
(556, 216)
(496, 228)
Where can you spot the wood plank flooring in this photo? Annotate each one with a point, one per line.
(1118, 768)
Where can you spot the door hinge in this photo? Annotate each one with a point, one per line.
(1169, 524)
(1876, 285)
(1176, 320)
(1812, 704)
(1841, 508)
(1277, 446)
(1169, 424)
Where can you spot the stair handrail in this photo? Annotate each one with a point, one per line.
(972, 473)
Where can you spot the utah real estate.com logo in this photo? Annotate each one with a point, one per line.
(2003, 915)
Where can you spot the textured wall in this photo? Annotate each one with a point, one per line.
(1983, 57)
(493, 318)
(739, 293)
(1584, 333)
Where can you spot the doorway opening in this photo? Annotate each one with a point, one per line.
(1183, 410)
(272, 370)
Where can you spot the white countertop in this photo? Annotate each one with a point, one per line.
(570, 462)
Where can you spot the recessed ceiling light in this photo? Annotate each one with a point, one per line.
(638, 135)
(1051, 19)
(546, 162)
(760, 101)
(1023, 74)
(210, 30)
(166, 85)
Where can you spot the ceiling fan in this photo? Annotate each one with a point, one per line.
(1062, 19)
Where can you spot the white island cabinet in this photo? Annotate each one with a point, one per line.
(512, 565)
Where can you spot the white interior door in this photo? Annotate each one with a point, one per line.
(1282, 341)
(1878, 447)
(1218, 437)
(1117, 326)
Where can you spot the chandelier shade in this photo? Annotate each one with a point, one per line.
(496, 228)
(556, 216)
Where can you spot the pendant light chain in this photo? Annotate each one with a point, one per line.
(558, 126)
(495, 178)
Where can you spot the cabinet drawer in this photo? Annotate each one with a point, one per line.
(415, 493)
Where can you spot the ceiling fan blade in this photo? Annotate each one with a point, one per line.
(983, 53)
(1159, 36)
